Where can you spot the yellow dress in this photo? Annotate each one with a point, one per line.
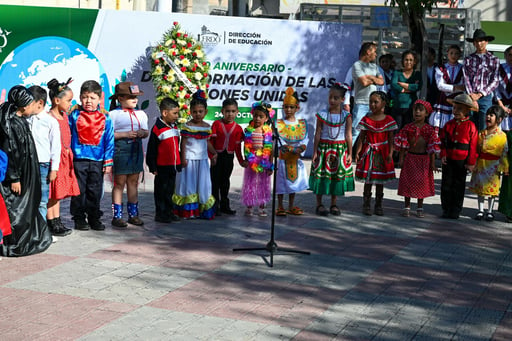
(492, 159)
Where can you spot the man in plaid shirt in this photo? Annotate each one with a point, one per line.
(481, 75)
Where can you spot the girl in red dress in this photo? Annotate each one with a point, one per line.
(65, 185)
(418, 144)
(374, 152)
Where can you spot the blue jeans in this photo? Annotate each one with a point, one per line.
(44, 168)
(484, 103)
(359, 111)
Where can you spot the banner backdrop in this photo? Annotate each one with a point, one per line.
(250, 59)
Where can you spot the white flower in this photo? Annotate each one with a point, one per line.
(182, 120)
(168, 42)
(199, 53)
(181, 42)
(198, 76)
(185, 62)
(166, 89)
(187, 51)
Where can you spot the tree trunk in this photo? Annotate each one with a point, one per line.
(419, 43)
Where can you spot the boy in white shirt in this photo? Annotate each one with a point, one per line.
(46, 133)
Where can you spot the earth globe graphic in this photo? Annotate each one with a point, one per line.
(39, 60)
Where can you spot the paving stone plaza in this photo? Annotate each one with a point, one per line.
(367, 278)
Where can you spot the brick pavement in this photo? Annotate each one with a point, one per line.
(367, 278)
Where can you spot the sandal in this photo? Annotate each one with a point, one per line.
(419, 213)
(295, 211)
(320, 210)
(248, 212)
(262, 213)
(479, 215)
(489, 217)
(406, 211)
(281, 212)
(335, 210)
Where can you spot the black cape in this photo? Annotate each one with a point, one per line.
(30, 233)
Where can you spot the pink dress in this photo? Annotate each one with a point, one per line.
(65, 185)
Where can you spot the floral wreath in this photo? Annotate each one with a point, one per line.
(259, 160)
(182, 50)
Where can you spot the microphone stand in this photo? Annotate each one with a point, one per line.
(271, 247)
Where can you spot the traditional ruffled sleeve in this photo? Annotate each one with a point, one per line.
(433, 142)
(401, 140)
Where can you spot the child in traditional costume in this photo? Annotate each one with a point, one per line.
(458, 155)
(374, 152)
(163, 159)
(227, 138)
(92, 143)
(503, 94)
(331, 166)
(491, 162)
(291, 172)
(450, 81)
(193, 196)
(130, 127)
(258, 153)
(65, 184)
(21, 188)
(418, 145)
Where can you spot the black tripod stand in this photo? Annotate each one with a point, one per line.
(271, 247)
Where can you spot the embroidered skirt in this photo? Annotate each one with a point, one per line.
(331, 174)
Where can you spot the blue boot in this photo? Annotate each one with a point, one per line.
(133, 214)
(117, 216)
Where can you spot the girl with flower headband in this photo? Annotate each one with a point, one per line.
(258, 153)
(193, 194)
(331, 167)
(291, 173)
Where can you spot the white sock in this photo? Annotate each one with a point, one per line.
(481, 204)
(491, 203)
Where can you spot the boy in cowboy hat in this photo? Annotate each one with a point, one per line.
(130, 127)
(458, 155)
(481, 70)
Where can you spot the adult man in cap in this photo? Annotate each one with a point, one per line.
(481, 75)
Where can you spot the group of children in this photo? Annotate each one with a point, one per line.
(193, 163)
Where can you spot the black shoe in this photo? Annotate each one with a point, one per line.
(489, 217)
(118, 222)
(174, 217)
(97, 225)
(160, 219)
(453, 216)
(479, 215)
(63, 228)
(81, 224)
(228, 211)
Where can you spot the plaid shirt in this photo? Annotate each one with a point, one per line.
(504, 91)
(481, 73)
